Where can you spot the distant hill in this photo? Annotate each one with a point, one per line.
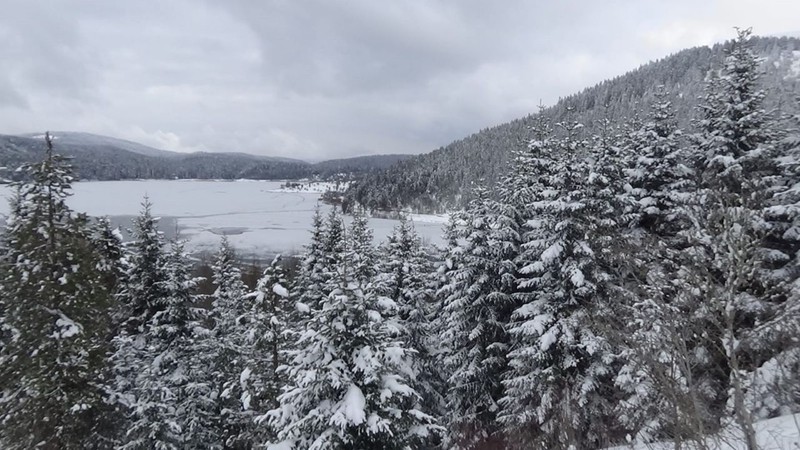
(98, 157)
(442, 180)
(88, 140)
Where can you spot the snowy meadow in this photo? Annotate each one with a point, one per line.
(258, 217)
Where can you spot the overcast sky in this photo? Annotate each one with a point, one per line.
(321, 79)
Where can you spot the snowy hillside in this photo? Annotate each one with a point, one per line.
(443, 179)
(780, 433)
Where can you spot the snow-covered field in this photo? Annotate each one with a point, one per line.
(257, 216)
(780, 433)
(312, 187)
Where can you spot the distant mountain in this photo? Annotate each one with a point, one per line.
(106, 158)
(442, 180)
(87, 140)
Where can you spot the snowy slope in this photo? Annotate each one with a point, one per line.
(780, 433)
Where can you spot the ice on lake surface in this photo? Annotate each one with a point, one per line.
(258, 219)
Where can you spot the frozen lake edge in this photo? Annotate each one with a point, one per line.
(259, 219)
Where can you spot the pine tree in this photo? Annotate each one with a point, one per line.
(652, 380)
(659, 178)
(227, 349)
(334, 247)
(734, 147)
(562, 360)
(142, 295)
(56, 313)
(349, 379)
(270, 334)
(449, 255)
(307, 289)
(363, 252)
(735, 160)
(172, 401)
(775, 389)
(522, 189)
(405, 276)
(109, 243)
(476, 310)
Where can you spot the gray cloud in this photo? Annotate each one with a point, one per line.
(320, 79)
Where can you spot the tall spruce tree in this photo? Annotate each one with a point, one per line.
(776, 385)
(655, 387)
(142, 294)
(477, 306)
(114, 260)
(659, 177)
(172, 396)
(734, 153)
(561, 359)
(270, 336)
(227, 349)
(334, 247)
(349, 379)
(57, 297)
(307, 289)
(406, 276)
(362, 250)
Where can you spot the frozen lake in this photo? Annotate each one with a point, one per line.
(258, 219)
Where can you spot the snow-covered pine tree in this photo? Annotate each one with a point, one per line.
(228, 352)
(271, 332)
(650, 379)
(406, 276)
(735, 156)
(734, 147)
(520, 191)
(307, 288)
(109, 243)
(334, 245)
(362, 249)
(449, 255)
(172, 398)
(349, 378)
(447, 258)
(561, 360)
(476, 311)
(523, 381)
(57, 302)
(659, 177)
(141, 296)
(611, 208)
(776, 388)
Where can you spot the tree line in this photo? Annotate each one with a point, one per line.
(631, 285)
(113, 162)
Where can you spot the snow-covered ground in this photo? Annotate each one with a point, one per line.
(429, 218)
(258, 218)
(311, 187)
(780, 433)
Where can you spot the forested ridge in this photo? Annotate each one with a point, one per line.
(627, 283)
(113, 159)
(442, 180)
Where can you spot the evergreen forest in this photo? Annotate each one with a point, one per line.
(632, 281)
